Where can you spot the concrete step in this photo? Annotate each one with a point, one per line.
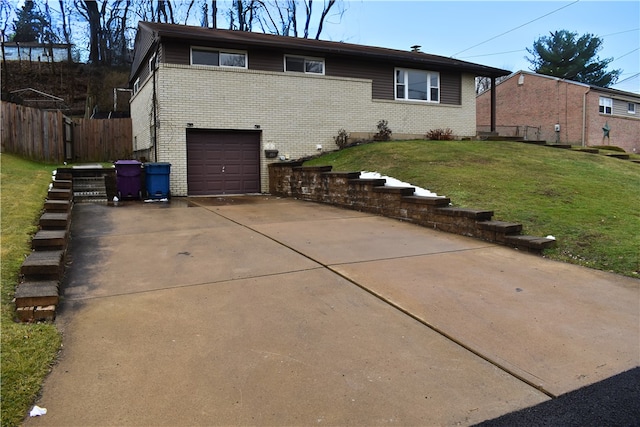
(59, 194)
(89, 189)
(43, 265)
(62, 183)
(402, 191)
(55, 220)
(38, 313)
(501, 226)
(479, 215)
(57, 205)
(530, 243)
(430, 201)
(623, 156)
(47, 240)
(35, 293)
(588, 150)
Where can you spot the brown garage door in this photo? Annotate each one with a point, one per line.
(223, 162)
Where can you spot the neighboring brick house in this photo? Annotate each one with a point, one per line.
(214, 102)
(541, 107)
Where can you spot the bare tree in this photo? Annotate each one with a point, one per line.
(281, 17)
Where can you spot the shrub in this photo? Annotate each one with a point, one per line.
(342, 139)
(384, 133)
(440, 134)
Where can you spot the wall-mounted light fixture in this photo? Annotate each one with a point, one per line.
(256, 126)
(189, 125)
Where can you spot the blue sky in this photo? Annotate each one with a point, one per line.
(493, 33)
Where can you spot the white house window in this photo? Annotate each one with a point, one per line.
(301, 64)
(605, 105)
(417, 85)
(218, 58)
(136, 86)
(631, 108)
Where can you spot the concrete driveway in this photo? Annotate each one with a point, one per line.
(266, 311)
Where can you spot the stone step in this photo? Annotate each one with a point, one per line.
(563, 146)
(57, 205)
(43, 265)
(623, 156)
(588, 150)
(479, 215)
(402, 191)
(430, 201)
(35, 293)
(89, 189)
(59, 194)
(46, 240)
(534, 142)
(530, 243)
(36, 314)
(62, 183)
(501, 226)
(55, 220)
(497, 231)
(376, 182)
(63, 175)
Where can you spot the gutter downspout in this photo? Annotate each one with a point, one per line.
(155, 108)
(493, 104)
(584, 116)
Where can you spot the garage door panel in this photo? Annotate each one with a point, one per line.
(223, 162)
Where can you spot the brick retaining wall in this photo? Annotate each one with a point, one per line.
(348, 190)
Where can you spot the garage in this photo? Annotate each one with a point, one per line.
(223, 162)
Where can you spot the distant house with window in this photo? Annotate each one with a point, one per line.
(540, 107)
(220, 105)
(35, 52)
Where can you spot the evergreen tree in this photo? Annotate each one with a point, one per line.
(29, 25)
(568, 56)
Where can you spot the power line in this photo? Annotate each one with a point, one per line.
(492, 54)
(516, 28)
(628, 78)
(621, 32)
(628, 53)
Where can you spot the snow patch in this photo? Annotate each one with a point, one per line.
(393, 182)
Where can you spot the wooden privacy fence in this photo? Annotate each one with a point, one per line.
(51, 137)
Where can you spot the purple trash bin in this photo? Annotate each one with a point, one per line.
(129, 179)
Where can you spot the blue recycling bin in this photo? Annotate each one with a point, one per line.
(157, 179)
(129, 179)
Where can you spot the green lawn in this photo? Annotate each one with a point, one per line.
(28, 350)
(589, 202)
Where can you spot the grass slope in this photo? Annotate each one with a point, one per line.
(588, 202)
(28, 350)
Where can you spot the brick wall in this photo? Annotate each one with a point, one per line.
(527, 99)
(295, 112)
(347, 190)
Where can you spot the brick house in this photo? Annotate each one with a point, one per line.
(219, 104)
(540, 107)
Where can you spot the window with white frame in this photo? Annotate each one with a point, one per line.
(605, 105)
(218, 58)
(300, 64)
(417, 85)
(136, 86)
(631, 108)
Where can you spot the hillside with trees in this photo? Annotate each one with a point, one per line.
(100, 35)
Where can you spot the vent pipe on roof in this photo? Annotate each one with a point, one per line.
(416, 48)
